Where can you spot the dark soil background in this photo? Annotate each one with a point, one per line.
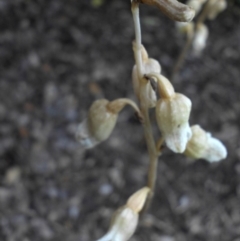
(56, 58)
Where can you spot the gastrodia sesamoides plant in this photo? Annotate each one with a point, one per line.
(101, 120)
(172, 114)
(203, 145)
(149, 65)
(125, 220)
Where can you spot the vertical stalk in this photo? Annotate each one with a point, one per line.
(153, 154)
(182, 55)
(138, 38)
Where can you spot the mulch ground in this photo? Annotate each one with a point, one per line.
(56, 58)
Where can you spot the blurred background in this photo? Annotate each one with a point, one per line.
(56, 58)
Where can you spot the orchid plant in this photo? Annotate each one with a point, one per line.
(153, 90)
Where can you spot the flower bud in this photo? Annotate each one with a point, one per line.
(173, 9)
(200, 38)
(172, 119)
(101, 120)
(203, 145)
(196, 5)
(149, 65)
(125, 219)
(216, 7)
(123, 225)
(98, 126)
(137, 200)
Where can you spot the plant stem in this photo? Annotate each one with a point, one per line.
(182, 56)
(138, 38)
(189, 41)
(151, 146)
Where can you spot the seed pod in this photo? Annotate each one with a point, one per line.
(216, 7)
(203, 145)
(172, 118)
(149, 65)
(173, 9)
(200, 38)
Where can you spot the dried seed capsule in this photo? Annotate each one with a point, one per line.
(203, 145)
(200, 38)
(149, 65)
(125, 219)
(173, 9)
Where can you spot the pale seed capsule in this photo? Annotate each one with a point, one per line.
(98, 126)
(172, 119)
(203, 145)
(125, 219)
(200, 38)
(216, 7)
(149, 65)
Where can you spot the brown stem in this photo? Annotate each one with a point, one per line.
(182, 56)
(189, 41)
(151, 146)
